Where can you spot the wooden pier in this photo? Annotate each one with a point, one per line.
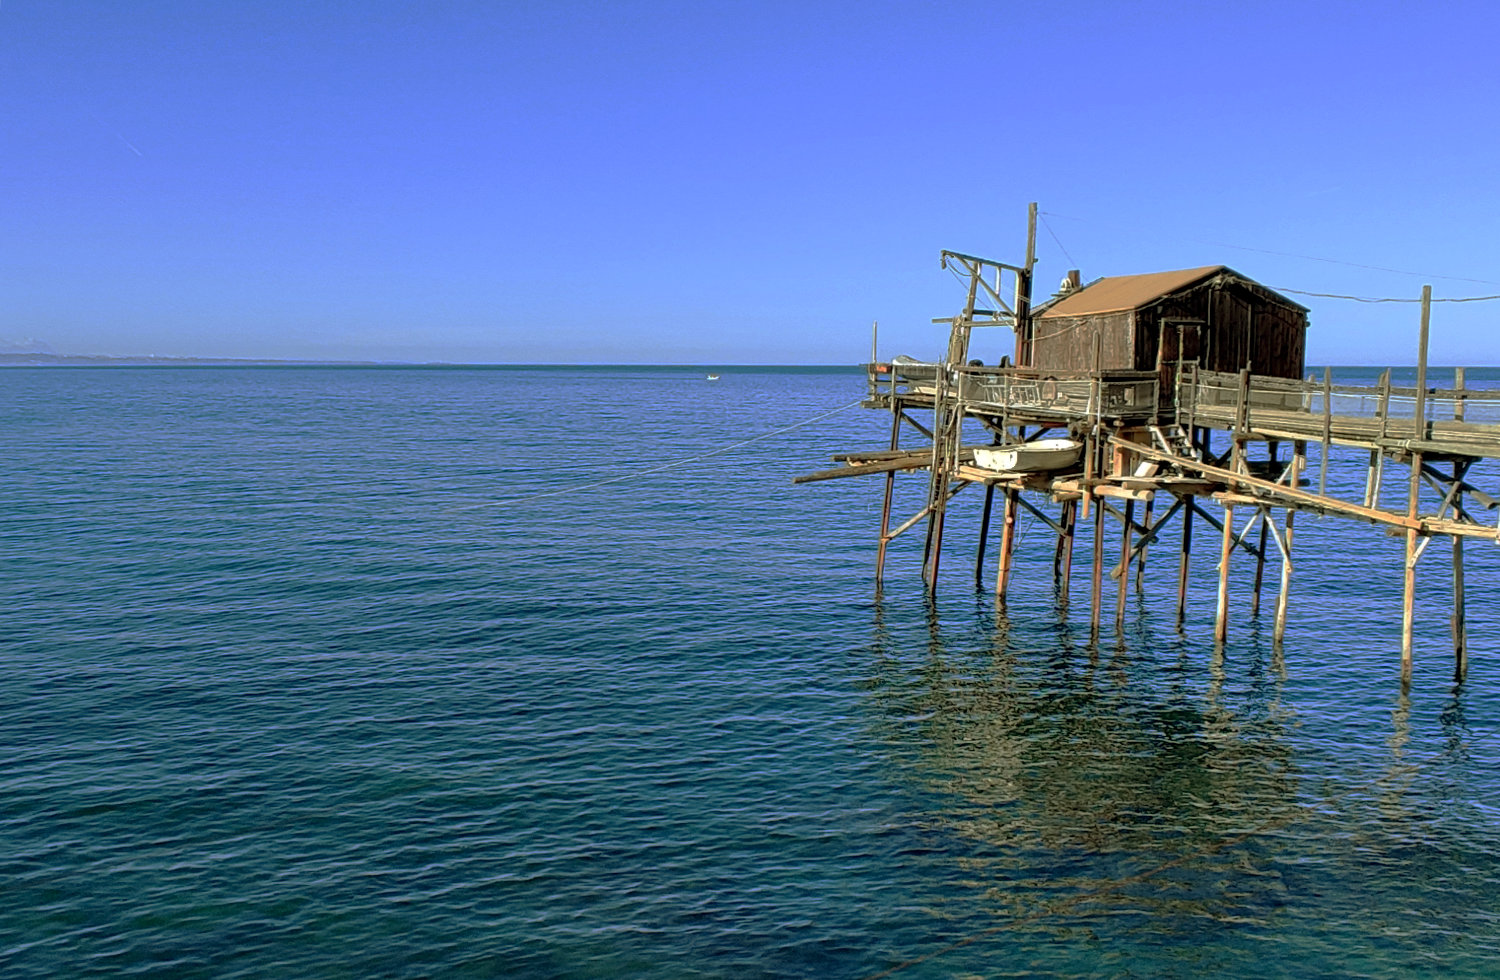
(1134, 373)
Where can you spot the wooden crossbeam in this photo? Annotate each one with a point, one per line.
(1218, 525)
(1277, 490)
(1148, 536)
(1054, 525)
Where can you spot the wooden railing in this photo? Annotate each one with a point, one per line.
(1020, 391)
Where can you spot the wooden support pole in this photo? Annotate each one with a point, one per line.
(937, 487)
(1421, 412)
(1140, 568)
(1241, 422)
(1409, 576)
(1221, 610)
(984, 533)
(935, 538)
(1070, 524)
(1460, 633)
(938, 501)
(1057, 552)
(1327, 430)
(1126, 540)
(1007, 542)
(890, 487)
(1377, 455)
(1182, 563)
(1409, 579)
(1098, 579)
(1299, 461)
(1460, 470)
(1260, 562)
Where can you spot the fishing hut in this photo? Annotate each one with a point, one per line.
(1144, 403)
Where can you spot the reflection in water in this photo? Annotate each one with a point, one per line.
(1148, 794)
(1050, 760)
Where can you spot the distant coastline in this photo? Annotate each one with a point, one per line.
(109, 360)
(147, 360)
(37, 359)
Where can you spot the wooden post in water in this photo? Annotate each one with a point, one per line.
(890, 487)
(1409, 591)
(1241, 422)
(1299, 460)
(1221, 609)
(1409, 576)
(984, 533)
(1007, 543)
(1377, 455)
(1327, 429)
(1265, 523)
(1057, 551)
(1182, 562)
(1126, 539)
(1098, 579)
(1140, 569)
(1460, 471)
(1260, 562)
(1065, 541)
(1460, 634)
(942, 419)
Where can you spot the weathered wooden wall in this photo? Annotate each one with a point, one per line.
(1225, 322)
(1067, 343)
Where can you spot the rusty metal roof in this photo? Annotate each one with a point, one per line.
(1114, 294)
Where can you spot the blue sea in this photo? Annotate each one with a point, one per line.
(413, 672)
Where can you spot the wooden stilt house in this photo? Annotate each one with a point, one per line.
(1211, 314)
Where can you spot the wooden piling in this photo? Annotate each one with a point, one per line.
(1070, 524)
(1419, 423)
(1377, 455)
(1140, 568)
(1409, 574)
(984, 534)
(1057, 551)
(1299, 461)
(890, 488)
(1260, 562)
(1186, 555)
(937, 487)
(1098, 579)
(1460, 632)
(1221, 609)
(1327, 430)
(1460, 471)
(1127, 536)
(1007, 542)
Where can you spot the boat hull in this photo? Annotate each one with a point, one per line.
(1030, 457)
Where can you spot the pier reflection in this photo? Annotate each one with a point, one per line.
(1067, 777)
(1154, 806)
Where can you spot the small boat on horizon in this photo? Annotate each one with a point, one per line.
(713, 377)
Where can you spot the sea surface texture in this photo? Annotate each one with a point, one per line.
(452, 672)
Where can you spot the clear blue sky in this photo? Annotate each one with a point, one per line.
(723, 182)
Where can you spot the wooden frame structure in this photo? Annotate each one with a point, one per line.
(1149, 456)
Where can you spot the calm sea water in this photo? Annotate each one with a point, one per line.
(388, 672)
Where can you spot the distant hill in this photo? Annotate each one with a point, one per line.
(37, 359)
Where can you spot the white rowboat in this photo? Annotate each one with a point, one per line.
(1030, 457)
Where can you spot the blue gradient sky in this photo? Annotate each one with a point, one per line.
(722, 182)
